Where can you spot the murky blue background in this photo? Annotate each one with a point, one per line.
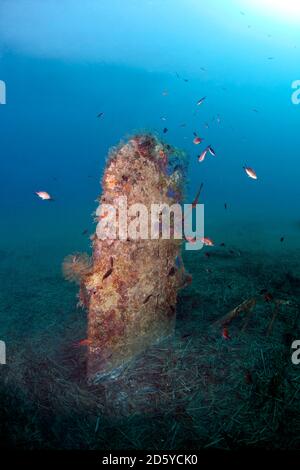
(65, 62)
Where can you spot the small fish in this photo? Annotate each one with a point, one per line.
(225, 333)
(197, 140)
(107, 274)
(282, 239)
(165, 93)
(199, 102)
(202, 156)
(207, 241)
(165, 130)
(196, 200)
(250, 172)
(185, 80)
(85, 232)
(225, 205)
(103, 216)
(191, 239)
(187, 335)
(163, 118)
(100, 115)
(147, 298)
(84, 342)
(44, 195)
(222, 244)
(211, 150)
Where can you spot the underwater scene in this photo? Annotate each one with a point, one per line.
(149, 243)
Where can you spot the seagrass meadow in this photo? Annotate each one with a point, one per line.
(194, 389)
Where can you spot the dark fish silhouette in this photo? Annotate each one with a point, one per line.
(199, 102)
(107, 274)
(147, 298)
(195, 202)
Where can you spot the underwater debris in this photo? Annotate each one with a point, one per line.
(247, 307)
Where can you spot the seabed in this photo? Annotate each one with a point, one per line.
(195, 390)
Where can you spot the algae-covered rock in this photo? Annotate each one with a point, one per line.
(131, 289)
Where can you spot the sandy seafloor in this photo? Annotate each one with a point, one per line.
(196, 390)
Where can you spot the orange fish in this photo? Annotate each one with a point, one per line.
(191, 239)
(207, 241)
(225, 333)
(197, 140)
(251, 173)
(202, 155)
(102, 216)
(84, 342)
(44, 195)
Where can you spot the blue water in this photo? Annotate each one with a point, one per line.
(76, 61)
